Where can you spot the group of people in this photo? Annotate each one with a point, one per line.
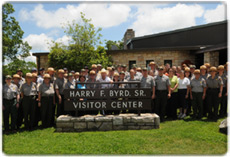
(39, 96)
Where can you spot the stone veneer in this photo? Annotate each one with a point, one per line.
(105, 123)
(141, 56)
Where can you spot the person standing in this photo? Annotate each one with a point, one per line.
(51, 72)
(147, 81)
(163, 91)
(214, 92)
(183, 92)
(204, 75)
(22, 80)
(46, 100)
(223, 100)
(153, 68)
(132, 78)
(173, 101)
(28, 94)
(197, 94)
(10, 104)
(40, 76)
(16, 81)
(59, 88)
(37, 114)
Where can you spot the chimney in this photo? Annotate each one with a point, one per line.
(129, 34)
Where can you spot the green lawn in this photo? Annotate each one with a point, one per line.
(173, 137)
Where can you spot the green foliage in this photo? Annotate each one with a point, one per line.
(81, 48)
(13, 45)
(11, 68)
(119, 44)
(173, 138)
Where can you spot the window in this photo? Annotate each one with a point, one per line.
(168, 61)
(131, 63)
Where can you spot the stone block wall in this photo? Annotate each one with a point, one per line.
(105, 123)
(212, 58)
(44, 62)
(177, 57)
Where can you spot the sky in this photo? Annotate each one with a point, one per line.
(42, 22)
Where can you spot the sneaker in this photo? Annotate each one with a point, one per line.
(179, 116)
(183, 116)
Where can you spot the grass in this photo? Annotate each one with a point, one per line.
(173, 137)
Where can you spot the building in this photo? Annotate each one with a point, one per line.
(193, 45)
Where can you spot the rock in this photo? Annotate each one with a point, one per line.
(58, 129)
(67, 129)
(103, 119)
(80, 125)
(94, 125)
(64, 124)
(133, 127)
(106, 126)
(223, 127)
(77, 119)
(64, 118)
(89, 119)
(138, 119)
(117, 121)
(146, 127)
(120, 127)
(126, 120)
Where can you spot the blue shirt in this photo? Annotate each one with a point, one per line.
(79, 86)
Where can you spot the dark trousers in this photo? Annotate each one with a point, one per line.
(60, 107)
(10, 110)
(213, 103)
(197, 104)
(28, 104)
(223, 103)
(189, 104)
(161, 101)
(37, 114)
(172, 106)
(46, 111)
(205, 107)
(181, 98)
(20, 114)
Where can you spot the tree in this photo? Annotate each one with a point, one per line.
(13, 45)
(11, 68)
(119, 44)
(83, 48)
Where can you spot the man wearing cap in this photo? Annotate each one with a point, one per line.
(83, 72)
(192, 69)
(197, 94)
(59, 88)
(223, 100)
(137, 74)
(153, 68)
(204, 74)
(37, 109)
(94, 67)
(207, 66)
(70, 84)
(16, 80)
(40, 76)
(99, 67)
(92, 79)
(46, 101)
(111, 72)
(76, 76)
(28, 94)
(214, 92)
(147, 81)
(33, 70)
(10, 103)
(122, 79)
(22, 80)
(132, 78)
(139, 69)
(163, 91)
(124, 68)
(65, 70)
(51, 72)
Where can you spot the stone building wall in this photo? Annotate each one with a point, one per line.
(177, 57)
(44, 62)
(212, 58)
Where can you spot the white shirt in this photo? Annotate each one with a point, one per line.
(183, 83)
(107, 79)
